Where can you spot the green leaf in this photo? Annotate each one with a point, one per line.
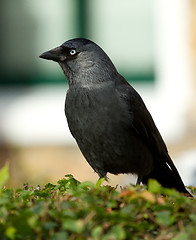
(165, 218)
(60, 236)
(99, 182)
(4, 176)
(10, 232)
(96, 232)
(86, 184)
(32, 221)
(118, 232)
(75, 226)
(182, 236)
(154, 186)
(171, 192)
(50, 225)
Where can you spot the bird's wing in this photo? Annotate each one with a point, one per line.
(144, 125)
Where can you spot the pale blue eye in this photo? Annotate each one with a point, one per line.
(72, 52)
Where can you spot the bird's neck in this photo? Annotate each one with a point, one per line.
(94, 77)
(91, 85)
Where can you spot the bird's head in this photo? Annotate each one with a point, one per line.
(82, 61)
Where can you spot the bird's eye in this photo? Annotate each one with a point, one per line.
(72, 52)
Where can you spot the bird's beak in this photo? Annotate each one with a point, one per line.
(53, 54)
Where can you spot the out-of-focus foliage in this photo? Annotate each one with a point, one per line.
(83, 210)
(4, 176)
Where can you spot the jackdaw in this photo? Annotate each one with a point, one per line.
(108, 119)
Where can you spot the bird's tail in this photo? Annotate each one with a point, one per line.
(166, 174)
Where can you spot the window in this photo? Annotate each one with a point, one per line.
(123, 29)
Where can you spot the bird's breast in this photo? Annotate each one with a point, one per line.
(94, 113)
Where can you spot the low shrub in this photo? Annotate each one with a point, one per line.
(83, 210)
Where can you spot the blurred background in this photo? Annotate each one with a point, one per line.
(152, 44)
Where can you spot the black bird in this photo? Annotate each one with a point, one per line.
(108, 119)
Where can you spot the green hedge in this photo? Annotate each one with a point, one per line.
(75, 210)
